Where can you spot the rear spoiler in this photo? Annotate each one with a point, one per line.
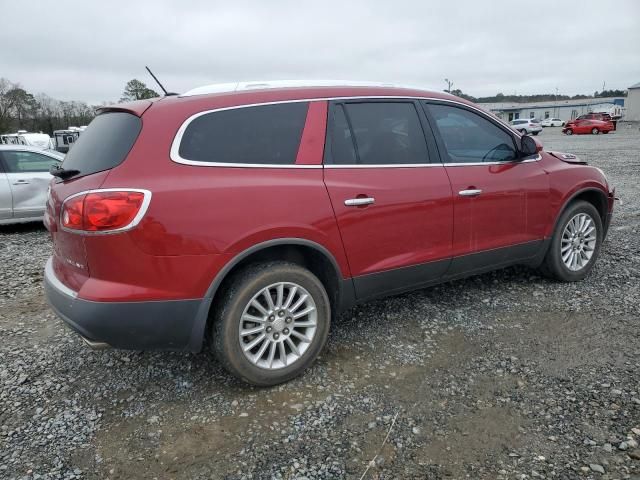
(137, 107)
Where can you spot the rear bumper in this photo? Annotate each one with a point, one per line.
(163, 325)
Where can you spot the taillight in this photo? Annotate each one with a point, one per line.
(108, 210)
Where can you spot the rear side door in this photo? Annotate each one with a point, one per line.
(501, 202)
(391, 198)
(6, 202)
(28, 177)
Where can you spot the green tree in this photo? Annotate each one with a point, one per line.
(137, 90)
(22, 103)
(6, 104)
(459, 93)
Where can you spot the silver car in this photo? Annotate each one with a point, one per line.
(24, 179)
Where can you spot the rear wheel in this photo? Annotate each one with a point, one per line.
(536, 133)
(273, 323)
(575, 244)
(523, 131)
(595, 131)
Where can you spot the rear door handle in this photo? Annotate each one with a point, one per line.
(358, 202)
(470, 193)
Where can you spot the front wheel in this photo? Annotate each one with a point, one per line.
(569, 132)
(272, 324)
(575, 244)
(595, 131)
(523, 131)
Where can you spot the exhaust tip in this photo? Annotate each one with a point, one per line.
(95, 345)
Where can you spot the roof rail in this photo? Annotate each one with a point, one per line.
(268, 84)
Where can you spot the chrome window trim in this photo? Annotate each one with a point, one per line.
(174, 152)
(386, 165)
(422, 165)
(505, 162)
(50, 275)
(197, 163)
(136, 220)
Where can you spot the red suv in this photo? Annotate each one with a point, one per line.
(247, 218)
(605, 117)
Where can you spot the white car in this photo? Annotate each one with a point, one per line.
(527, 126)
(552, 122)
(24, 179)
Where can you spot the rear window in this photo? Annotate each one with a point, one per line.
(260, 135)
(104, 144)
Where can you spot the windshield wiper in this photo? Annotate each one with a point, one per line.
(58, 171)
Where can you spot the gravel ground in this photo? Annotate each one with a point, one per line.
(503, 376)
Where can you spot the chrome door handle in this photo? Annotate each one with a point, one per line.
(358, 202)
(470, 193)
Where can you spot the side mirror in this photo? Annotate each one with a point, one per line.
(528, 146)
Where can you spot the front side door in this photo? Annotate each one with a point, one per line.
(28, 177)
(392, 204)
(501, 202)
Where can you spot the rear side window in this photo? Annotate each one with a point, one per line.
(342, 149)
(104, 144)
(261, 135)
(385, 133)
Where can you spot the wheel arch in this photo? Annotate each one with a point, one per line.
(592, 195)
(306, 253)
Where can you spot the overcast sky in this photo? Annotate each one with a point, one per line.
(88, 50)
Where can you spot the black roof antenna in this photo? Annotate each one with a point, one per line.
(166, 94)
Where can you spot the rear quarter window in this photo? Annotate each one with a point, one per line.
(259, 135)
(104, 144)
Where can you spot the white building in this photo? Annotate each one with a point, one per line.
(633, 103)
(562, 109)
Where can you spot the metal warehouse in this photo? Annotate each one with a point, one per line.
(633, 103)
(563, 109)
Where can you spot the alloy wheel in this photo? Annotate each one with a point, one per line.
(278, 325)
(578, 242)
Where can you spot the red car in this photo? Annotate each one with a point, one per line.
(594, 127)
(247, 217)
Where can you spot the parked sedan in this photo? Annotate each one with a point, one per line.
(527, 126)
(24, 178)
(587, 126)
(552, 122)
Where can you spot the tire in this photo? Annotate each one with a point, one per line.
(523, 131)
(535, 133)
(553, 265)
(595, 131)
(569, 132)
(248, 286)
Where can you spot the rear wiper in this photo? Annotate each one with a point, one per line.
(58, 171)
